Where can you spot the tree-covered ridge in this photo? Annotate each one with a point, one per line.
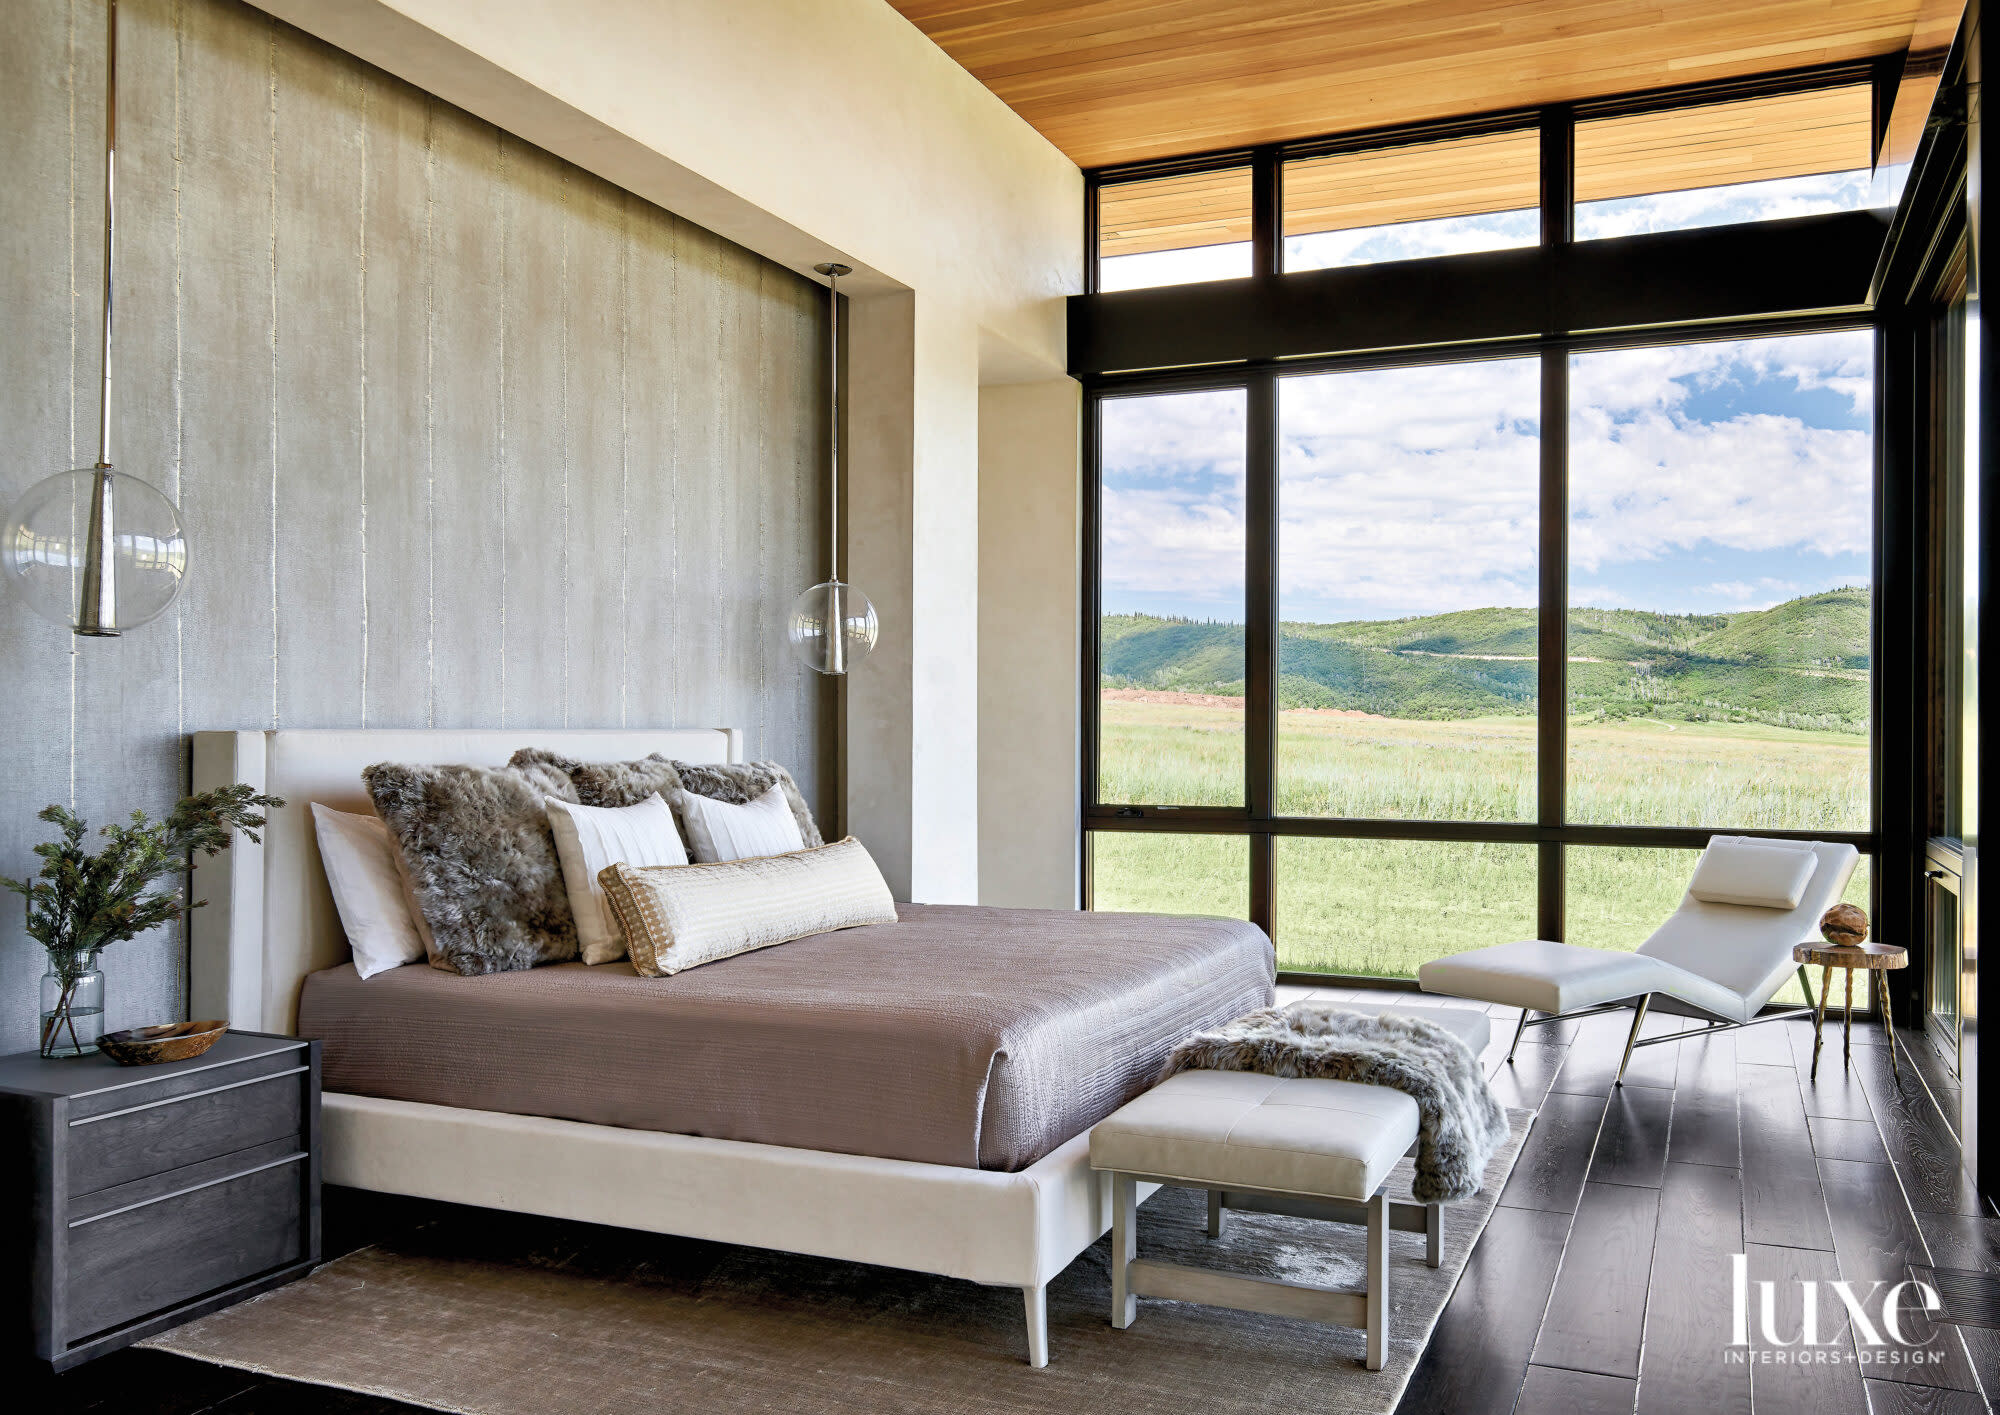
(1803, 663)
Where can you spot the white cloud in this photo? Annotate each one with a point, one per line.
(1730, 205)
(1411, 491)
(1172, 507)
(1757, 482)
(1624, 381)
(1413, 240)
(1183, 267)
(1762, 594)
(1416, 490)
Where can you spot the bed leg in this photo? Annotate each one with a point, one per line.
(1215, 1213)
(1037, 1303)
(1519, 1028)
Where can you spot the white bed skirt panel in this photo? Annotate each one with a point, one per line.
(1014, 1230)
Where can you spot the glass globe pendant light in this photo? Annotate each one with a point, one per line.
(832, 625)
(95, 550)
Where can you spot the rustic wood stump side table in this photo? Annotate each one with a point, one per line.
(1879, 957)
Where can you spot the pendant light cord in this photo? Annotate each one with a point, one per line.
(110, 170)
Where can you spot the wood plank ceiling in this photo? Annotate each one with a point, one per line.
(1115, 81)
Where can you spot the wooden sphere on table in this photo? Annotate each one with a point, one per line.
(1844, 924)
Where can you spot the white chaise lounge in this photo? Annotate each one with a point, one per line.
(1720, 957)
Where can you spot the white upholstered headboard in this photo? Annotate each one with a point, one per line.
(269, 918)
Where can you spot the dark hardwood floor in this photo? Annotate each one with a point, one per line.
(1602, 1282)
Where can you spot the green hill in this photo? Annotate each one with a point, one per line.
(1803, 663)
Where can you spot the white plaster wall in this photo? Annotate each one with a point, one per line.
(944, 621)
(1030, 527)
(913, 540)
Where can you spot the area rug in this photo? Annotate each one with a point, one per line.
(496, 1314)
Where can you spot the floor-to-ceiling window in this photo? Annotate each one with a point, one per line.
(1721, 574)
(1404, 653)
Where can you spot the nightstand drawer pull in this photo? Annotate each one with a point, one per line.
(191, 1189)
(188, 1096)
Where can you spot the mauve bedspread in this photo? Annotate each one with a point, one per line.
(958, 1035)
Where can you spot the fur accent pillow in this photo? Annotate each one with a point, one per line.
(481, 862)
(628, 783)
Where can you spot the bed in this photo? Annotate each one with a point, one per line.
(829, 1096)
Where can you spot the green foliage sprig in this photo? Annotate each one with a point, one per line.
(81, 902)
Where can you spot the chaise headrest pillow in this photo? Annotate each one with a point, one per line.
(1760, 874)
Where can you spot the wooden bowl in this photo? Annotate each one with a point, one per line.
(176, 1041)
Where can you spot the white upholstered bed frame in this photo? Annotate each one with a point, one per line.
(270, 921)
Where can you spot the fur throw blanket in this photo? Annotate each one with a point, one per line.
(1459, 1123)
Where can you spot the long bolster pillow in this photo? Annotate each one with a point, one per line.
(681, 916)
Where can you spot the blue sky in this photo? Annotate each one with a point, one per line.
(1705, 477)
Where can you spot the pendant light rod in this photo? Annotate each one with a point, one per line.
(97, 598)
(110, 230)
(833, 270)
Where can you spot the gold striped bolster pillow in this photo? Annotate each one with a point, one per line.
(681, 916)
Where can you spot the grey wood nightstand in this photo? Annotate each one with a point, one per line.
(138, 1197)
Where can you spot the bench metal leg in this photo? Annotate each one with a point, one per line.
(1519, 1028)
(1378, 1280)
(1124, 1247)
(1037, 1301)
(1215, 1213)
(1638, 1021)
(1433, 1234)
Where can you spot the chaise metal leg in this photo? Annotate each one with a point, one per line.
(1521, 1027)
(1805, 984)
(1378, 1280)
(1124, 1248)
(1638, 1020)
(1037, 1300)
(1215, 1213)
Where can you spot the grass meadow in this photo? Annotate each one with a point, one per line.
(1383, 907)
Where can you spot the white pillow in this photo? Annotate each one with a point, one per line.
(1758, 873)
(697, 914)
(590, 837)
(721, 831)
(360, 861)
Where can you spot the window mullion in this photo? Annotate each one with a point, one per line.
(1552, 647)
(1266, 214)
(1260, 636)
(1558, 176)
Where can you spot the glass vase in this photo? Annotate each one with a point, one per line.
(72, 1008)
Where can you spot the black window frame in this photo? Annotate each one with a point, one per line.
(1583, 319)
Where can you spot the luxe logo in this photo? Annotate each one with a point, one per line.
(1878, 1325)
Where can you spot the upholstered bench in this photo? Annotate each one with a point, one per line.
(1308, 1148)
